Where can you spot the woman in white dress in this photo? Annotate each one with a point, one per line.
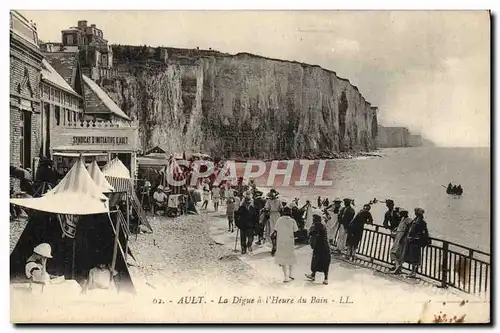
(285, 228)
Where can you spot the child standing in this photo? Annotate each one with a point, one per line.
(230, 208)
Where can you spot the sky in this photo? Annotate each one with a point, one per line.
(426, 70)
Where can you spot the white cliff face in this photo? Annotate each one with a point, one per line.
(244, 106)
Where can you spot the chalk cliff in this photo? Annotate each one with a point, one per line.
(239, 105)
(395, 137)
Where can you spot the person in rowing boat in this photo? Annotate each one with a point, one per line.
(449, 189)
(460, 190)
(454, 189)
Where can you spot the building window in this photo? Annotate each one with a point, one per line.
(69, 39)
(21, 138)
(25, 139)
(57, 115)
(57, 96)
(46, 92)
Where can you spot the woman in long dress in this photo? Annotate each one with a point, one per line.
(321, 257)
(285, 228)
(273, 206)
(355, 230)
(397, 249)
(417, 238)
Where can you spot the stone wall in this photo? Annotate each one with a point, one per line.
(25, 75)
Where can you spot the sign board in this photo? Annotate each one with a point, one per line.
(89, 139)
(100, 140)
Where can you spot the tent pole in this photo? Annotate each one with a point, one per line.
(128, 226)
(115, 248)
(73, 260)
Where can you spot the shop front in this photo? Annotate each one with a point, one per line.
(100, 140)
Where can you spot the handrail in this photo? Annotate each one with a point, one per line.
(457, 268)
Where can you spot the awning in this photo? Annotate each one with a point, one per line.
(78, 154)
(91, 149)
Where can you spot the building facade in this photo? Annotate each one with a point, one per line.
(25, 107)
(96, 56)
(60, 105)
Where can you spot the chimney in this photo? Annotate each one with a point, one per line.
(82, 24)
(92, 25)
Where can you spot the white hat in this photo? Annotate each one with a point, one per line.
(291, 205)
(160, 187)
(44, 250)
(317, 212)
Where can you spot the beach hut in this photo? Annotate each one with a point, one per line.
(74, 218)
(118, 176)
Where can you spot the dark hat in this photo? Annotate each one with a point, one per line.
(389, 201)
(337, 200)
(403, 210)
(419, 211)
(316, 218)
(367, 206)
(347, 200)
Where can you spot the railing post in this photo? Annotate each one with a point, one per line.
(444, 266)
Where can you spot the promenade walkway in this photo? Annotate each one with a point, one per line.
(375, 296)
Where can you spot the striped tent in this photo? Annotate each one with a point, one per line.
(99, 177)
(118, 176)
(76, 194)
(172, 171)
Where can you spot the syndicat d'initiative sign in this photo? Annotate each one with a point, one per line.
(100, 140)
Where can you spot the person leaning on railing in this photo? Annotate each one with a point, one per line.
(416, 239)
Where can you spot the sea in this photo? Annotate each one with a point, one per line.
(412, 177)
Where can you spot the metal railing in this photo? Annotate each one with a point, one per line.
(443, 263)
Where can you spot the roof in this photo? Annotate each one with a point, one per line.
(99, 178)
(65, 63)
(115, 168)
(76, 194)
(155, 150)
(98, 101)
(50, 75)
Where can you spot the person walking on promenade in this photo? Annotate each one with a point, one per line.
(284, 230)
(346, 215)
(321, 258)
(246, 220)
(355, 230)
(216, 197)
(417, 238)
(397, 249)
(230, 209)
(273, 207)
(332, 224)
(206, 196)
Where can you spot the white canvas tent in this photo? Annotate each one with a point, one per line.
(76, 194)
(115, 168)
(99, 178)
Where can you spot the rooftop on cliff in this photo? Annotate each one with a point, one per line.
(148, 52)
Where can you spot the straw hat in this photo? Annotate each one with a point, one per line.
(44, 250)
